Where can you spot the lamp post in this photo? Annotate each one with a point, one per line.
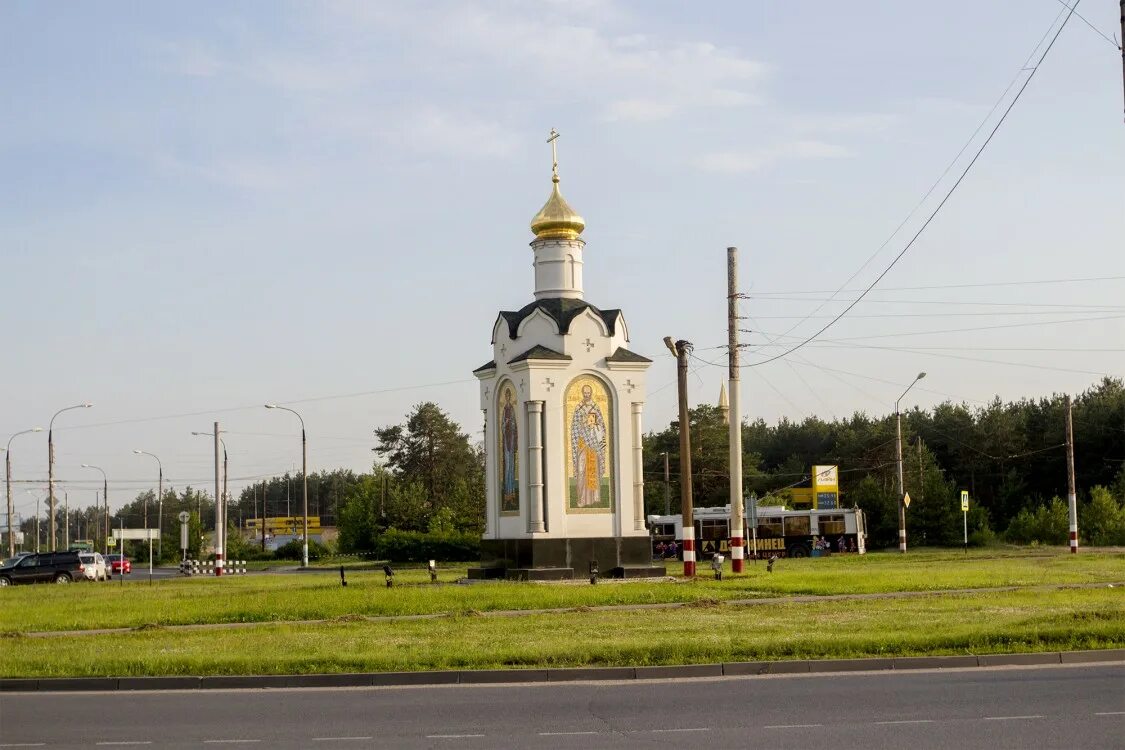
(105, 499)
(901, 489)
(220, 497)
(8, 482)
(304, 481)
(159, 502)
(51, 467)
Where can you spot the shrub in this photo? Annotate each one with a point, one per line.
(1047, 524)
(1102, 521)
(292, 550)
(416, 546)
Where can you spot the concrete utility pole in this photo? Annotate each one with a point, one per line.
(736, 521)
(901, 488)
(1071, 491)
(681, 349)
(8, 482)
(1122, 44)
(66, 519)
(667, 487)
(51, 467)
(218, 510)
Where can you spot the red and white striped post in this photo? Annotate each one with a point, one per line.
(734, 414)
(1071, 490)
(681, 349)
(218, 510)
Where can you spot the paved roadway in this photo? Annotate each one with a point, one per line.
(1071, 707)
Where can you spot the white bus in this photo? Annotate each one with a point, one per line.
(781, 532)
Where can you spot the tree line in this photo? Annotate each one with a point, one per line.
(427, 479)
(1010, 456)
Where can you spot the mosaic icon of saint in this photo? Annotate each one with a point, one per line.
(509, 488)
(588, 449)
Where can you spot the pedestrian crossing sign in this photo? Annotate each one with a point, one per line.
(964, 501)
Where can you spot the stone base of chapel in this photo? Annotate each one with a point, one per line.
(563, 559)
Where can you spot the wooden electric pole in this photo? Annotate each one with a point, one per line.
(681, 349)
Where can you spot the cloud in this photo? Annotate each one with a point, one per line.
(588, 52)
(860, 122)
(738, 162)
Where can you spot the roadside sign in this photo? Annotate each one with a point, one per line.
(111, 542)
(183, 516)
(906, 499)
(136, 533)
(964, 501)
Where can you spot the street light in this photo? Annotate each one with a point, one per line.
(159, 503)
(51, 466)
(901, 489)
(105, 499)
(220, 502)
(304, 480)
(8, 481)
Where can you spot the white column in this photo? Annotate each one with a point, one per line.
(535, 466)
(638, 470)
(491, 506)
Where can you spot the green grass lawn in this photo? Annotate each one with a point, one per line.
(944, 624)
(265, 598)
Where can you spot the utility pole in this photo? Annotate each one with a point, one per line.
(898, 450)
(37, 525)
(226, 497)
(681, 349)
(66, 519)
(921, 476)
(1071, 492)
(667, 487)
(736, 521)
(263, 516)
(218, 512)
(1123, 43)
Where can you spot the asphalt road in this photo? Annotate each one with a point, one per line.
(1071, 707)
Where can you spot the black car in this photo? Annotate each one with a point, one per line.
(44, 567)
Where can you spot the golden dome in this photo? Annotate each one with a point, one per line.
(557, 219)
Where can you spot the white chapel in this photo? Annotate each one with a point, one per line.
(563, 400)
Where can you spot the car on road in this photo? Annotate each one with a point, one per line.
(44, 567)
(119, 564)
(95, 566)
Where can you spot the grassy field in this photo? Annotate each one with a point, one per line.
(272, 598)
(947, 624)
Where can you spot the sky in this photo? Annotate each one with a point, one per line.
(208, 206)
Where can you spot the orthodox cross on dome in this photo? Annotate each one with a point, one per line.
(554, 155)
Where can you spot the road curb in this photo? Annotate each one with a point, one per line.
(571, 674)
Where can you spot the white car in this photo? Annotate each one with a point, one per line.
(93, 564)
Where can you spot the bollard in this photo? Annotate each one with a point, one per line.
(433, 571)
(769, 564)
(593, 572)
(390, 574)
(343, 581)
(717, 565)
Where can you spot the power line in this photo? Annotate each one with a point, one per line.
(956, 286)
(1096, 30)
(940, 205)
(208, 412)
(944, 302)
